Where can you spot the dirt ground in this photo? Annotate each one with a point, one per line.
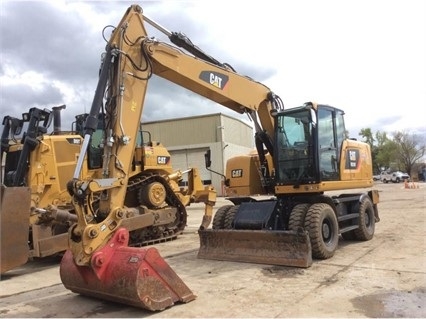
(384, 277)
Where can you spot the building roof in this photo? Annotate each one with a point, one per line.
(195, 117)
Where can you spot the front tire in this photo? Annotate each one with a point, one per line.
(367, 221)
(322, 226)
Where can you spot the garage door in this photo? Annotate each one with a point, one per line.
(184, 159)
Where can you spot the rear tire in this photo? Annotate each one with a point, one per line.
(219, 217)
(367, 221)
(321, 224)
(297, 216)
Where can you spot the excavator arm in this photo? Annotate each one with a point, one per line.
(99, 262)
(99, 240)
(131, 58)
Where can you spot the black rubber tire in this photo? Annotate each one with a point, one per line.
(297, 216)
(219, 217)
(230, 216)
(322, 226)
(367, 221)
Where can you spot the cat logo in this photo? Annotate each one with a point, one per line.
(75, 141)
(352, 159)
(237, 173)
(214, 78)
(163, 160)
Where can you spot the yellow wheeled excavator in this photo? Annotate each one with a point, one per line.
(312, 179)
(301, 154)
(36, 208)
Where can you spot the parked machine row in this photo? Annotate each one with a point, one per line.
(37, 209)
(317, 183)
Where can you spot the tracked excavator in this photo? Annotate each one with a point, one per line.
(36, 208)
(292, 166)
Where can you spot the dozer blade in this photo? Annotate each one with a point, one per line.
(134, 276)
(284, 248)
(15, 214)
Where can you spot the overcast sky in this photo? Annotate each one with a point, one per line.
(367, 57)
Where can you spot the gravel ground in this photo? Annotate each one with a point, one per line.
(384, 277)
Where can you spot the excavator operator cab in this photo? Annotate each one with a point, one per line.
(331, 133)
(308, 141)
(295, 147)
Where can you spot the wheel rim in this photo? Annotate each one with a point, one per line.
(367, 219)
(327, 231)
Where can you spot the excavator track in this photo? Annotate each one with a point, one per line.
(160, 233)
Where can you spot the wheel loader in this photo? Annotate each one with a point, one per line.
(36, 207)
(302, 154)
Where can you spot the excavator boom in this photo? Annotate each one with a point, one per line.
(116, 200)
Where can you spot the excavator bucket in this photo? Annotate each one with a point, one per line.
(15, 214)
(284, 248)
(134, 276)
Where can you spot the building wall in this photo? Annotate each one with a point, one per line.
(237, 132)
(187, 139)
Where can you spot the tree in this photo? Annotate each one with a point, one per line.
(385, 151)
(402, 152)
(367, 134)
(368, 138)
(410, 149)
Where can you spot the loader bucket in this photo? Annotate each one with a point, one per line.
(134, 276)
(284, 248)
(15, 214)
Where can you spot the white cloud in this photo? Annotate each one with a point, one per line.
(366, 57)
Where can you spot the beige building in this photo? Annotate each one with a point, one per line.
(187, 139)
